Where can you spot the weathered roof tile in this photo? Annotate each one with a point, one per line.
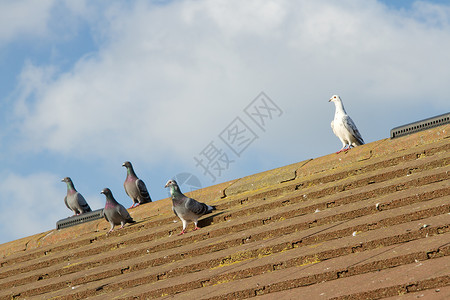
(371, 222)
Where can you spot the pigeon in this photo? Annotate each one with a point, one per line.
(135, 187)
(343, 126)
(74, 200)
(185, 208)
(114, 212)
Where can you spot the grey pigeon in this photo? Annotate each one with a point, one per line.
(114, 212)
(344, 127)
(74, 200)
(135, 187)
(185, 208)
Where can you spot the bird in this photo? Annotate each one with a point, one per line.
(135, 187)
(344, 127)
(74, 200)
(114, 212)
(185, 208)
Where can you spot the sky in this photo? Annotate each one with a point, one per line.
(202, 91)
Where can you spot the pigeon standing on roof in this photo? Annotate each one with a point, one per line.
(114, 212)
(74, 200)
(344, 127)
(135, 187)
(185, 208)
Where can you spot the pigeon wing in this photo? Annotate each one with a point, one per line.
(351, 127)
(124, 213)
(196, 207)
(143, 190)
(82, 203)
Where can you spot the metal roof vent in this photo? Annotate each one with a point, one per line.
(83, 218)
(420, 125)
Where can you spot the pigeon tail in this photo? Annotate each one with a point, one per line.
(210, 208)
(86, 208)
(359, 139)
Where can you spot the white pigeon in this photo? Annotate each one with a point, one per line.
(344, 127)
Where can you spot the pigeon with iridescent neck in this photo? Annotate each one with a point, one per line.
(135, 187)
(74, 200)
(344, 127)
(114, 212)
(185, 208)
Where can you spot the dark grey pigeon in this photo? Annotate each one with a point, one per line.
(74, 200)
(114, 212)
(135, 187)
(185, 208)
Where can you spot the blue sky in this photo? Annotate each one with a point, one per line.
(165, 84)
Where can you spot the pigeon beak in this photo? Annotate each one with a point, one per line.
(330, 100)
(168, 183)
(123, 165)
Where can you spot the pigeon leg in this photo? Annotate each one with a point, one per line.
(195, 226)
(343, 149)
(122, 224)
(184, 226)
(133, 206)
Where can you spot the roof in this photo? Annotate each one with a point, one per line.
(369, 223)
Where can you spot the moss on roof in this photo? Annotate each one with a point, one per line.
(373, 221)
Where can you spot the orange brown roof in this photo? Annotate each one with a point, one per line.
(370, 223)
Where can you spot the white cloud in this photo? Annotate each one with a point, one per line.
(177, 74)
(43, 22)
(23, 18)
(234, 18)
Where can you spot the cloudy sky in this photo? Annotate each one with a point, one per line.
(217, 89)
